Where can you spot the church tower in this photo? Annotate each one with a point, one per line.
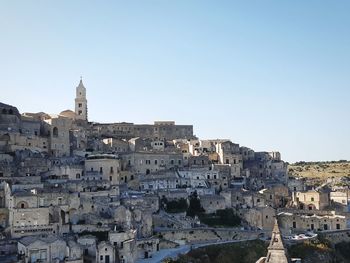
(81, 111)
(276, 252)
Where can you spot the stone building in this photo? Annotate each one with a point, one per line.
(311, 200)
(106, 252)
(339, 198)
(264, 167)
(229, 153)
(146, 247)
(59, 135)
(276, 195)
(125, 243)
(160, 181)
(294, 221)
(212, 203)
(296, 184)
(116, 145)
(42, 249)
(158, 131)
(103, 167)
(260, 217)
(151, 162)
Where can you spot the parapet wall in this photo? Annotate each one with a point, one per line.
(207, 235)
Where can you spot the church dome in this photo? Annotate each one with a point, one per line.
(68, 114)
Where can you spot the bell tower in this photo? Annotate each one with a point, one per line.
(81, 112)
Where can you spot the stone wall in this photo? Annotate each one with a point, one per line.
(196, 235)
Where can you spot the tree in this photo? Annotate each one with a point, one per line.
(195, 208)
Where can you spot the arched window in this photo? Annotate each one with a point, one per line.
(22, 205)
(55, 132)
(5, 137)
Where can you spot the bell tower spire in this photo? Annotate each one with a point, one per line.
(81, 112)
(276, 249)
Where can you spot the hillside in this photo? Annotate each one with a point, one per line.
(251, 251)
(320, 170)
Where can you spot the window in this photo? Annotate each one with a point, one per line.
(55, 132)
(101, 257)
(338, 226)
(155, 162)
(80, 105)
(294, 224)
(227, 161)
(111, 170)
(312, 199)
(101, 170)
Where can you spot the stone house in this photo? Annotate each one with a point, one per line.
(106, 252)
(42, 249)
(89, 246)
(212, 203)
(339, 198)
(146, 247)
(160, 181)
(104, 167)
(296, 184)
(115, 145)
(125, 243)
(311, 200)
(151, 162)
(294, 221)
(260, 217)
(276, 195)
(59, 136)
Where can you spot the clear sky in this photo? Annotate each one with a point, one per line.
(270, 75)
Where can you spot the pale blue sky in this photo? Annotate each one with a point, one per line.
(271, 75)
